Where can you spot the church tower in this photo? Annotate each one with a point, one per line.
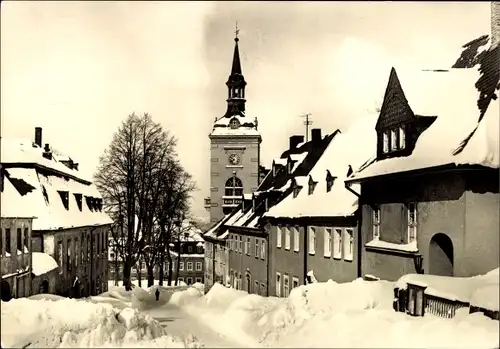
(235, 148)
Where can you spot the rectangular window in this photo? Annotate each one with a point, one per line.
(189, 266)
(26, 240)
(278, 237)
(247, 246)
(181, 266)
(337, 243)
(190, 249)
(286, 285)
(385, 146)
(60, 256)
(198, 266)
(198, 280)
(312, 240)
(376, 222)
(263, 249)
(256, 287)
(327, 242)
(77, 252)
(278, 285)
(287, 238)
(412, 222)
(402, 138)
(348, 244)
(189, 280)
(7, 240)
(295, 282)
(296, 239)
(241, 244)
(394, 140)
(19, 239)
(257, 248)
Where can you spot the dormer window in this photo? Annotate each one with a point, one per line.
(64, 198)
(289, 166)
(296, 190)
(329, 181)
(88, 200)
(267, 204)
(402, 138)
(385, 137)
(312, 185)
(99, 204)
(253, 205)
(394, 140)
(78, 198)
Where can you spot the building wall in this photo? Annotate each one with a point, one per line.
(16, 257)
(248, 148)
(284, 262)
(51, 278)
(209, 266)
(482, 225)
(442, 207)
(338, 269)
(88, 274)
(248, 265)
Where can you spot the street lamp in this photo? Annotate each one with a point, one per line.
(418, 261)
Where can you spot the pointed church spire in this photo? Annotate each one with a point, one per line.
(236, 84)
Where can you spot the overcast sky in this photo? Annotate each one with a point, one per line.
(79, 68)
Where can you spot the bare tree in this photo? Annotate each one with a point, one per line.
(130, 178)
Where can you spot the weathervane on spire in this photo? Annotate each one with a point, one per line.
(236, 31)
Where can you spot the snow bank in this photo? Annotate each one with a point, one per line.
(43, 263)
(40, 323)
(330, 314)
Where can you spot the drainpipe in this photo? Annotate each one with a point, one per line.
(359, 217)
(306, 245)
(268, 257)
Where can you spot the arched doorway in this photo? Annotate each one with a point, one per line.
(441, 255)
(75, 289)
(5, 291)
(44, 287)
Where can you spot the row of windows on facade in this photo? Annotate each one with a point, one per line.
(199, 249)
(337, 242)
(189, 280)
(286, 284)
(189, 266)
(411, 211)
(93, 204)
(236, 282)
(22, 241)
(83, 250)
(235, 243)
(394, 140)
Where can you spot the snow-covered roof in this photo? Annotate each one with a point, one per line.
(28, 192)
(22, 151)
(452, 97)
(193, 233)
(212, 231)
(222, 126)
(42, 263)
(353, 147)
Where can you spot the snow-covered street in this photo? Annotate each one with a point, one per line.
(180, 323)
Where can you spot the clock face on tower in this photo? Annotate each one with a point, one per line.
(234, 159)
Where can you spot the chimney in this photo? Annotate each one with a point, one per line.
(316, 135)
(495, 22)
(295, 140)
(38, 136)
(47, 153)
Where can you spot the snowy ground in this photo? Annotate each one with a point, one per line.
(355, 314)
